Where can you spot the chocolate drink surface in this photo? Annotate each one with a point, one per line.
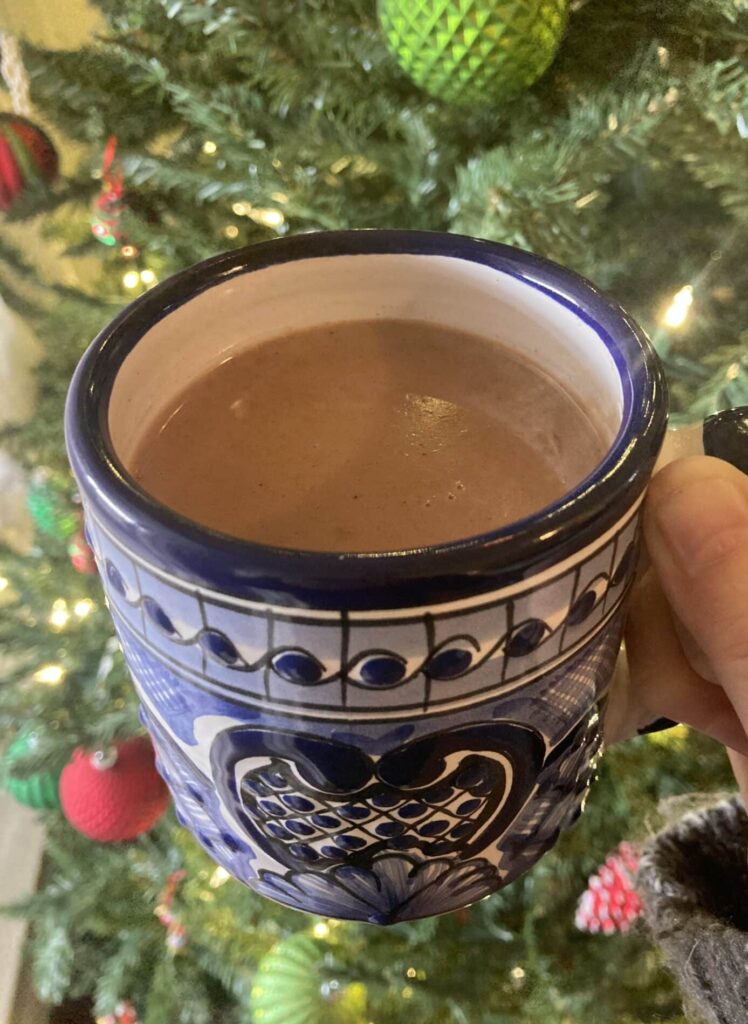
(371, 435)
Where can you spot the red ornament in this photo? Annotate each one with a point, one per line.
(610, 903)
(115, 794)
(27, 158)
(81, 554)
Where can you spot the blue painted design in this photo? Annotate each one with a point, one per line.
(449, 663)
(176, 700)
(395, 888)
(348, 785)
(115, 578)
(298, 666)
(157, 615)
(381, 670)
(217, 645)
(526, 638)
(582, 608)
(625, 566)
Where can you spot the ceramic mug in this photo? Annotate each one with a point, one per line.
(378, 737)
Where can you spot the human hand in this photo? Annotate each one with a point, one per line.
(687, 632)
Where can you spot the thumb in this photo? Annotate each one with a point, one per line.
(696, 529)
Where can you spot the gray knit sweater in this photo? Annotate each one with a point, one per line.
(693, 880)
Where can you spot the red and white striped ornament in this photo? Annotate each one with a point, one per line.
(610, 902)
(124, 1013)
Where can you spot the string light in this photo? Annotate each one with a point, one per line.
(131, 279)
(268, 217)
(59, 616)
(209, 147)
(147, 277)
(680, 305)
(128, 251)
(517, 973)
(407, 992)
(321, 930)
(4, 584)
(219, 877)
(49, 675)
(242, 209)
(586, 200)
(231, 231)
(83, 608)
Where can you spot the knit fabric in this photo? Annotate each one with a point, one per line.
(693, 880)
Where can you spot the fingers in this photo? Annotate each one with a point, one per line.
(696, 528)
(663, 683)
(740, 770)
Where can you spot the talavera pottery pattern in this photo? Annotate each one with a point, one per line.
(373, 737)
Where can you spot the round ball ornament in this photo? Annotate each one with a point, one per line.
(473, 52)
(40, 790)
(28, 159)
(114, 794)
(290, 988)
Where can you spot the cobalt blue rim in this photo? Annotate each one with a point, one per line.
(381, 579)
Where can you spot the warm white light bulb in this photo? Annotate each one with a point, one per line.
(49, 675)
(209, 147)
(59, 616)
(321, 930)
(677, 312)
(147, 276)
(131, 279)
(269, 217)
(83, 608)
(219, 877)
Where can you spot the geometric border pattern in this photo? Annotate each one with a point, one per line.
(424, 659)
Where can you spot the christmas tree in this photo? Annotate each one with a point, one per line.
(615, 144)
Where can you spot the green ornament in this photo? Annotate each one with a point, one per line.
(473, 52)
(41, 790)
(290, 988)
(50, 507)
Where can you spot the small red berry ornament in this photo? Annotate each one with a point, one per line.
(81, 554)
(124, 1013)
(610, 903)
(28, 160)
(114, 794)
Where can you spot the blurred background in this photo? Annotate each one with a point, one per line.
(139, 136)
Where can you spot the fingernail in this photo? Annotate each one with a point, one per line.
(702, 522)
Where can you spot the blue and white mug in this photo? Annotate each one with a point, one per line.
(378, 737)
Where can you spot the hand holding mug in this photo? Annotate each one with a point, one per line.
(687, 631)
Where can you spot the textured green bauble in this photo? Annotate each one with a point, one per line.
(50, 507)
(41, 790)
(290, 987)
(475, 52)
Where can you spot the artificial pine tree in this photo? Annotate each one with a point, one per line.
(238, 122)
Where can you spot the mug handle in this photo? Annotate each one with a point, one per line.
(723, 435)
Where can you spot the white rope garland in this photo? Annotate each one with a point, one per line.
(14, 74)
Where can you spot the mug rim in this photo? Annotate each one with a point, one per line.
(379, 578)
